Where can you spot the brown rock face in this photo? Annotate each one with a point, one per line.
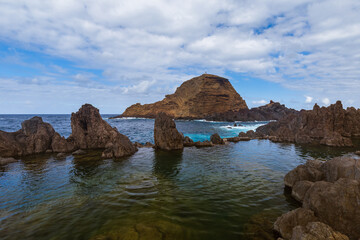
(316, 231)
(166, 135)
(270, 111)
(196, 98)
(336, 204)
(90, 131)
(298, 217)
(332, 191)
(35, 136)
(216, 139)
(331, 126)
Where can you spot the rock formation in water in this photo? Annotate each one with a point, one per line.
(329, 192)
(35, 136)
(166, 135)
(270, 111)
(90, 131)
(196, 98)
(331, 126)
(216, 139)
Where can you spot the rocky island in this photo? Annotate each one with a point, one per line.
(207, 97)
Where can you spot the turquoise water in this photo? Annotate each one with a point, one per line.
(224, 192)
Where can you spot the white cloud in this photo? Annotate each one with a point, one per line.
(141, 46)
(325, 101)
(308, 99)
(260, 102)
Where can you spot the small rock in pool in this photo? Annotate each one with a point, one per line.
(357, 153)
(61, 155)
(4, 161)
(79, 152)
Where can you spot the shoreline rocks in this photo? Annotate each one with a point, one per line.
(89, 131)
(331, 190)
(331, 126)
(216, 139)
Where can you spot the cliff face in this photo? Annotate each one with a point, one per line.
(196, 98)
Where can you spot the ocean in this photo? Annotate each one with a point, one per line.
(234, 191)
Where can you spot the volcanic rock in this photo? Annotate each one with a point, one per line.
(299, 189)
(203, 144)
(336, 204)
(166, 135)
(270, 111)
(316, 231)
(310, 171)
(298, 217)
(35, 136)
(196, 98)
(90, 131)
(238, 139)
(79, 152)
(331, 126)
(216, 139)
(4, 161)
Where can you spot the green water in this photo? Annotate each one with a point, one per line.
(224, 192)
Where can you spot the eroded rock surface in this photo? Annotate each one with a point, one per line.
(216, 139)
(331, 126)
(332, 191)
(194, 99)
(90, 131)
(166, 135)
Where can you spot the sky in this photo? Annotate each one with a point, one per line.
(57, 55)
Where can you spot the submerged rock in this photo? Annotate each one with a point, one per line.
(79, 152)
(216, 139)
(4, 161)
(166, 135)
(90, 131)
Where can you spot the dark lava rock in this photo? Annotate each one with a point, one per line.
(216, 139)
(4, 161)
(298, 217)
(35, 136)
(331, 126)
(90, 131)
(166, 135)
(79, 152)
(203, 144)
(238, 139)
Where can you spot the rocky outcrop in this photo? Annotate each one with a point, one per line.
(196, 98)
(35, 136)
(298, 217)
(331, 190)
(316, 231)
(331, 126)
(166, 135)
(237, 139)
(216, 139)
(90, 131)
(270, 111)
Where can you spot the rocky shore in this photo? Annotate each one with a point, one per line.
(330, 196)
(330, 126)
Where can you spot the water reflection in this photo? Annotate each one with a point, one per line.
(167, 164)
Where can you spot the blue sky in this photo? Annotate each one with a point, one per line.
(57, 55)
